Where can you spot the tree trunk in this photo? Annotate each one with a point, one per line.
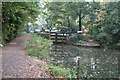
(80, 25)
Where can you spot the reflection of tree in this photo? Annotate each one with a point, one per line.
(95, 64)
(99, 65)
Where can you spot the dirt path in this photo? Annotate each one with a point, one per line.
(17, 64)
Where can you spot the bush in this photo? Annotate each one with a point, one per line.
(103, 36)
(38, 46)
(78, 38)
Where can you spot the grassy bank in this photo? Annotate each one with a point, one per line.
(41, 48)
(38, 46)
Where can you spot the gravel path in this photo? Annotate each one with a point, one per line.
(17, 64)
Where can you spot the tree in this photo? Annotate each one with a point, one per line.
(106, 29)
(78, 10)
(67, 12)
(15, 16)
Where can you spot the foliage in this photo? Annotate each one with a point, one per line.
(38, 46)
(105, 29)
(100, 18)
(77, 39)
(58, 71)
(15, 16)
(81, 41)
(68, 14)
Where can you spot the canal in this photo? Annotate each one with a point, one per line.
(90, 62)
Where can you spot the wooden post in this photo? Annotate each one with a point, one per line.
(55, 37)
(66, 37)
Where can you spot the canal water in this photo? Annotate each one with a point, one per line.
(91, 62)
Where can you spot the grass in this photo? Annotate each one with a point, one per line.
(38, 46)
(61, 72)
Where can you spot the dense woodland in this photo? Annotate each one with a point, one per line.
(99, 23)
(100, 18)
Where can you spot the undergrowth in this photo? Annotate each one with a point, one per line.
(38, 46)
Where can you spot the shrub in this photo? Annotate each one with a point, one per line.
(103, 36)
(78, 38)
(38, 46)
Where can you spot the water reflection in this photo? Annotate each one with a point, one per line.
(93, 62)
